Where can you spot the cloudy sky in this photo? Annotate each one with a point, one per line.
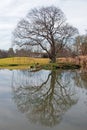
(11, 11)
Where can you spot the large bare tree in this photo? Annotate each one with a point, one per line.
(46, 28)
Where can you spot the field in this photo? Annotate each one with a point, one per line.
(21, 62)
(27, 62)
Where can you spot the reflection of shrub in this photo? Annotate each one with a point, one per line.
(61, 66)
(13, 64)
(71, 66)
(6, 65)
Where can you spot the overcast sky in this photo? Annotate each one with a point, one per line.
(11, 11)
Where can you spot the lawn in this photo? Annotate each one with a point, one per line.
(21, 62)
(28, 62)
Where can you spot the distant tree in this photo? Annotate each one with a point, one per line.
(3, 54)
(77, 44)
(81, 45)
(10, 52)
(46, 28)
(84, 45)
(23, 52)
(84, 48)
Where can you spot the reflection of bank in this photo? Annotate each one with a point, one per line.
(44, 96)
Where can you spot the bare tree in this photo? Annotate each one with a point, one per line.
(81, 44)
(11, 52)
(46, 28)
(84, 45)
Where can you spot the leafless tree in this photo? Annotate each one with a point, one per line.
(46, 28)
(81, 44)
(11, 52)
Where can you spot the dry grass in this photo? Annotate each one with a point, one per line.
(76, 60)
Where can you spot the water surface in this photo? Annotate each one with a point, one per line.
(47, 100)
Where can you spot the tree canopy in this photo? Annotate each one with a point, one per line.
(45, 27)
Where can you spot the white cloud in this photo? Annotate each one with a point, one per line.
(11, 11)
(76, 12)
(4, 26)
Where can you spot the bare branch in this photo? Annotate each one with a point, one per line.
(45, 27)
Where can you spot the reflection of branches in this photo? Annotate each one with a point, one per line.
(37, 88)
(65, 93)
(80, 79)
(45, 102)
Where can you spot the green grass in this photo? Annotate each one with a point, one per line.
(21, 62)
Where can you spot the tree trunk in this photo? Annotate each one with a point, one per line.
(52, 54)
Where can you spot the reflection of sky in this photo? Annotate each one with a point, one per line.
(31, 78)
(5, 82)
(11, 119)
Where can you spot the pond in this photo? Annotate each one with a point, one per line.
(43, 100)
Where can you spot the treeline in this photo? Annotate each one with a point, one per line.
(63, 52)
(14, 53)
(78, 48)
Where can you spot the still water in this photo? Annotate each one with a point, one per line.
(43, 100)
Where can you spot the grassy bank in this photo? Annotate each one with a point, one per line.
(21, 62)
(25, 62)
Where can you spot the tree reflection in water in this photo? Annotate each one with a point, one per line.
(44, 95)
(81, 79)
